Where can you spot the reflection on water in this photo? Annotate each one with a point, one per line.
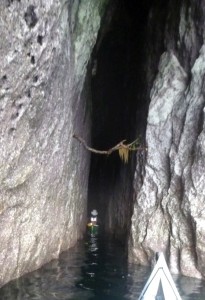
(94, 269)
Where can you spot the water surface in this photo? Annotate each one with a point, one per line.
(95, 268)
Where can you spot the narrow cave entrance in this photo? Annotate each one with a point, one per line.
(119, 112)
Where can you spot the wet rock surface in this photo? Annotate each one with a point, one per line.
(170, 201)
(44, 52)
(43, 170)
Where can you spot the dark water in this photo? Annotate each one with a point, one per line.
(95, 269)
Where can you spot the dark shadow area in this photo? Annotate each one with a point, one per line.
(119, 112)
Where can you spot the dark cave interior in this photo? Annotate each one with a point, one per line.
(125, 61)
(119, 111)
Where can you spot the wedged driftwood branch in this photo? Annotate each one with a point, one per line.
(120, 145)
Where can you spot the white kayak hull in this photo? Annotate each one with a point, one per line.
(160, 276)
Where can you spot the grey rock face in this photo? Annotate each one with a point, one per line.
(169, 210)
(43, 170)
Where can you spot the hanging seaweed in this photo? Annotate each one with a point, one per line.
(122, 148)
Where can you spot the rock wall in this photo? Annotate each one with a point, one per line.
(44, 50)
(169, 211)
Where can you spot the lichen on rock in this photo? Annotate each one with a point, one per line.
(87, 23)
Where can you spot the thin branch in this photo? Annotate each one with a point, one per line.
(107, 152)
(120, 145)
(138, 148)
(134, 142)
